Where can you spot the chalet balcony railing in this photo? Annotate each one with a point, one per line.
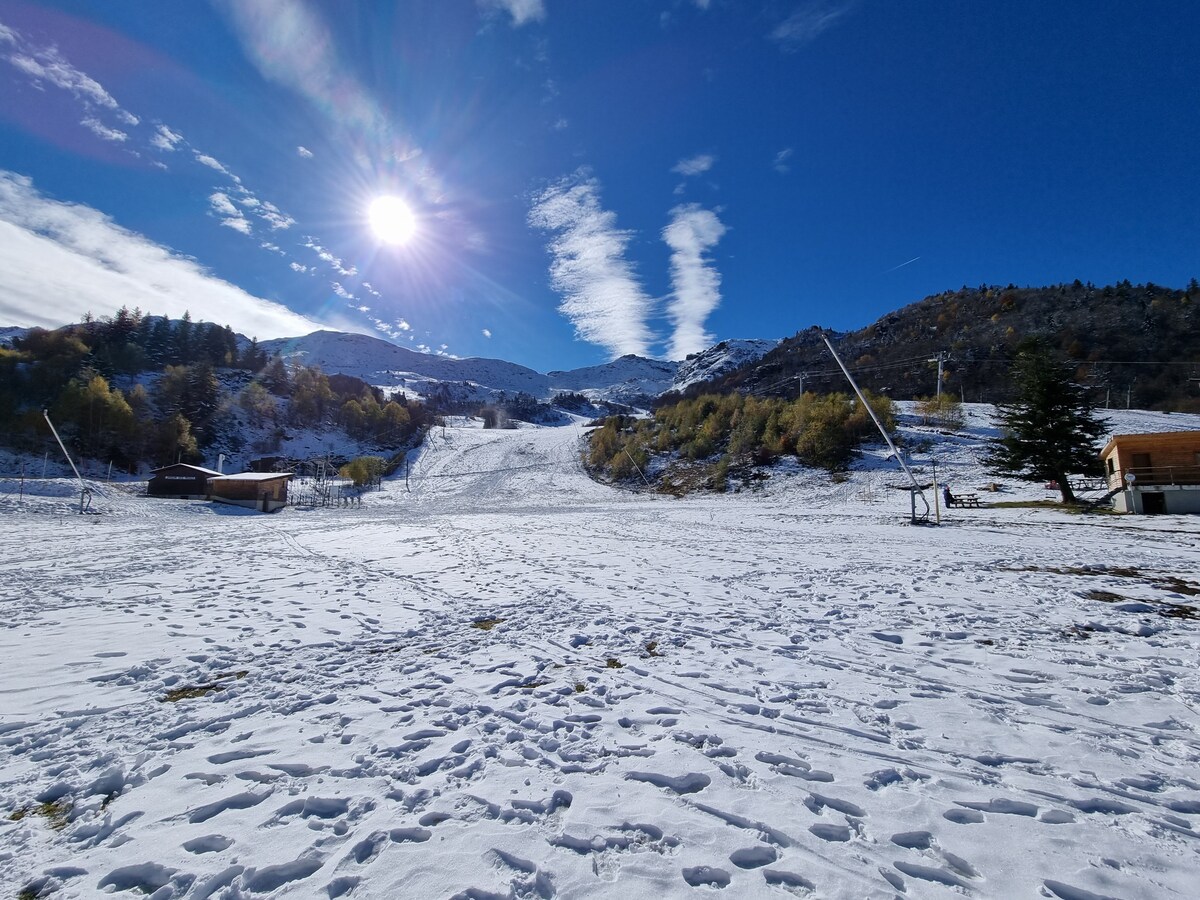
(1156, 476)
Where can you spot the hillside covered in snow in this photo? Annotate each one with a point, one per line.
(384, 364)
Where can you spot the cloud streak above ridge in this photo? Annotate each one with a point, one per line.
(696, 284)
(602, 296)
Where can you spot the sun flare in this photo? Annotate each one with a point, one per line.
(392, 220)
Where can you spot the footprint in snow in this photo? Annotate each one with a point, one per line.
(689, 783)
(706, 876)
(753, 857)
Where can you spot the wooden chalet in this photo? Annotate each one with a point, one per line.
(180, 482)
(264, 491)
(1155, 473)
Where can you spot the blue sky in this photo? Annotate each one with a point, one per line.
(588, 177)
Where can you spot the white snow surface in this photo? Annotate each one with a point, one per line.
(10, 333)
(719, 359)
(807, 696)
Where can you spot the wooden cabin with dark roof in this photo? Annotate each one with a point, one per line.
(180, 481)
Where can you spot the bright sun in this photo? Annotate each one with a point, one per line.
(391, 220)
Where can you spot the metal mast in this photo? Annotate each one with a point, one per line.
(916, 488)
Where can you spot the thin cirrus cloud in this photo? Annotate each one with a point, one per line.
(60, 260)
(45, 65)
(287, 41)
(521, 11)
(601, 295)
(695, 282)
(781, 164)
(808, 21)
(230, 215)
(695, 165)
(165, 139)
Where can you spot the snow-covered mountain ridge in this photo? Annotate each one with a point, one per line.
(397, 368)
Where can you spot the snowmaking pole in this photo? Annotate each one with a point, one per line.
(914, 491)
(83, 489)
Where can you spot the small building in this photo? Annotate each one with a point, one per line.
(1155, 473)
(180, 481)
(265, 491)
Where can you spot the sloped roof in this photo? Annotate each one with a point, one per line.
(252, 476)
(1151, 439)
(200, 470)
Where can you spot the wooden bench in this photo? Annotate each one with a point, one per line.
(965, 501)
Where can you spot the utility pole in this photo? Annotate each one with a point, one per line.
(940, 359)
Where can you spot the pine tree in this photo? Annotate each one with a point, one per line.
(1050, 431)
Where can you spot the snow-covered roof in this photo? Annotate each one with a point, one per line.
(199, 469)
(252, 476)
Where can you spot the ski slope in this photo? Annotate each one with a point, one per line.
(783, 692)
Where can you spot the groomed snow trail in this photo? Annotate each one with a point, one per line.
(510, 681)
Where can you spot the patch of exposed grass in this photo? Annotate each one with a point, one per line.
(1073, 508)
(580, 687)
(1172, 583)
(1105, 596)
(530, 685)
(190, 693)
(486, 624)
(57, 813)
(613, 663)
(652, 648)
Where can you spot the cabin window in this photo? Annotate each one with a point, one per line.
(1141, 461)
(1112, 466)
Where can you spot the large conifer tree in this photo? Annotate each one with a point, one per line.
(1050, 430)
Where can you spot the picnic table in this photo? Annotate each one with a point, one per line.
(965, 500)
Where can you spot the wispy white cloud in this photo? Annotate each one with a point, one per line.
(240, 224)
(521, 11)
(230, 215)
(205, 160)
(102, 131)
(165, 139)
(809, 21)
(304, 152)
(695, 165)
(328, 258)
(601, 294)
(781, 164)
(696, 284)
(487, 332)
(290, 44)
(296, 267)
(59, 260)
(46, 64)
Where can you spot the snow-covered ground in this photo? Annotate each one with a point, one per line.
(778, 691)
